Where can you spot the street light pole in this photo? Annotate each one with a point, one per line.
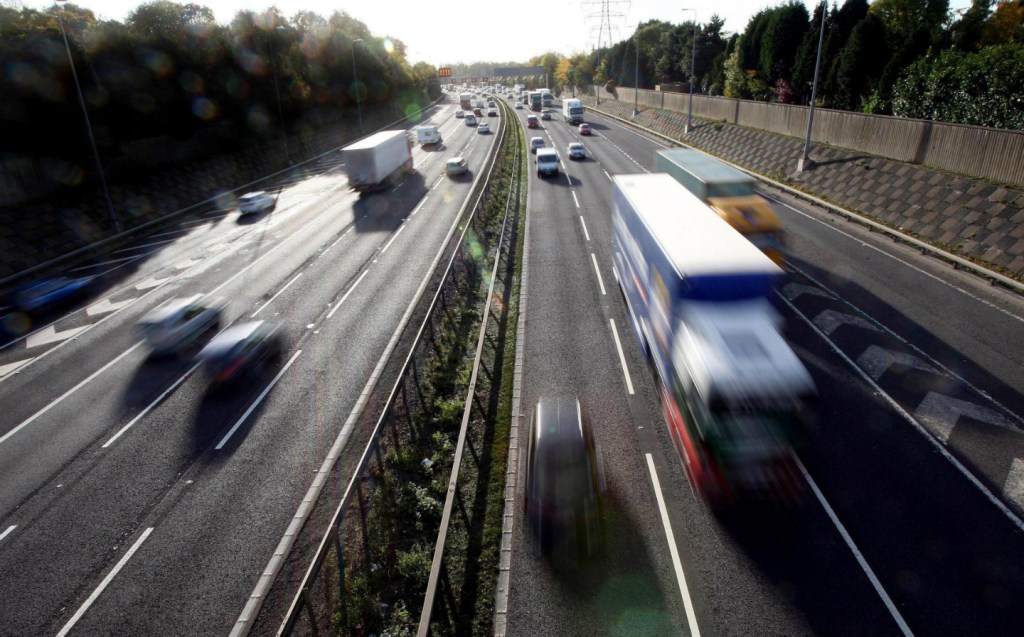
(277, 92)
(88, 127)
(636, 74)
(805, 162)
(355, 80)
(693, 70)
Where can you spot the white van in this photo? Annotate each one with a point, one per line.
(428, 135)
(547, 162)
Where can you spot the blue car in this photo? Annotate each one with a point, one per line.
(46, 294)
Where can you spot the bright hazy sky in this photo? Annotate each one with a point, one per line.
(445, 32)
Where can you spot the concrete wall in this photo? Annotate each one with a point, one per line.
(985, 153)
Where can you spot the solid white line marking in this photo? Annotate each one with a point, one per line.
(606, 174)
(145, 245)
(941, 448)
(398, 232)
(423, 201)
(149, 407)
(598, 271)
(575, 199)
(259, 399)
(622, 357)
(691, 617)
(7, 532)
(106, 581)
(11, 367)
(102, 263)
(276, 295)
(856, 552)
(584, 224)
(331, 313)
(56, 402)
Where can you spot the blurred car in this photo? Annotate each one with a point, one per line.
(459, 114)
(477, 112)
(577, 151)
(49, 293)
(492, 112)
(180, 323)
(456, 166)
(470, 120)
(483, 128)
(240, 351)
(532, 121)
(545, 114)
(585, 129)
(565, 484)
(535, 143)
(519, 105)
(258, 201)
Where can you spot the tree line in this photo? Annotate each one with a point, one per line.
(170, 69)
(910, 58)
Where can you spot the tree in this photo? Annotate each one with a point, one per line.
(903, 18)
(168, 20)
(783, 33)
(859, 64)
(735, 76)
(966, 33)
(1006, 24)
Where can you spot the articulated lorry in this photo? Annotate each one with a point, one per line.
(730, 193)
(536, 100)
(374, 162)
(572, 111)
(733, 393)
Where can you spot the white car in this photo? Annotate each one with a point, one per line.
(519, 105)
(535, 143)
(456, 166)
(256, 202)
(459, 114)
(180, 323)
(577, 151)
(470, 120)
(483, 128)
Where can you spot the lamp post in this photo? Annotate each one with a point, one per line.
(277, 92)
(636, 73)
(355, 80)
(88, 126)
(693, 71)
(805, 162)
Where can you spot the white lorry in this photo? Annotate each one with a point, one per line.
(426, 135)
(371, 163)
(572, 111)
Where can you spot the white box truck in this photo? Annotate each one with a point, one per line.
(572, 111)
(371, 163)
(426, 135)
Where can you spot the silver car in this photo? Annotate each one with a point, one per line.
(180, 323)
(256, 202)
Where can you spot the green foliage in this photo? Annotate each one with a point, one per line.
(735, 77)
(414, 565)
(984, 88)
(859, 64)
(783, 32)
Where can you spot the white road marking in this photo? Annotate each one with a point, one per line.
(255, 404)
(941, 448)
(793, 290)
(423, 201)
(11, 367)
(49, 334)
(106, 305)
(1013, 488)
(677, 565)
(598, 271)
(568, 178)
(331, 313)
(939, 414)
(106, 581)
(296, 278)
(575, 199)
(151, 405)
(584, 224)
(876, 360)
(437, 183)
(830, 320)
(151, 282)
(606, 174)
(186, 264)
(622, 358)
(397, 232)
(7, 532)
(856, 552)
(110, 262)
(56, 402)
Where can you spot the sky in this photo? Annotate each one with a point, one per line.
(443, 33)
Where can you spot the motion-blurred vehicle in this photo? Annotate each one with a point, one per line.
(535, 143)
(470, 120)
(547, 162)
(46, 294)
(577, 151)
(532, 121)
(456, 166)
(585, 129)
(180, 323)
(256, 202)
(483, 128)
(459, 114)
(241, 351)
(519, 105)
(427, 135)
(565, 483)
(375, 162)
(545, 114)
(477, 112)
(492, 112)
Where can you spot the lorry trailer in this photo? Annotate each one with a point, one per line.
(373, 162)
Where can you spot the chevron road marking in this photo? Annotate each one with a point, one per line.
(793, 290)
(50, 334)
(10, 367)
(939, 414)
(830, 320)
(1013, 488)
(150, 283)
(876, 360)
(106, 305)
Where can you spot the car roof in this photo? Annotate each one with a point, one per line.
(254, 194)
(456, 160)
(576, 145)
(544, 152)
(229, 338)
(170, 309)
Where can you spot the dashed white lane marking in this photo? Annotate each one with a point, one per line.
(358, 281)
(856, 552)
(7, 532)
(584, 224)
(419, 207)
(150, 407)
(575, 199)
(106, 581)
(59, 400)
(255, 403)
(606, 174)
(597, 270)
(677, 565)
(398, 232)
(622, 358)
(296, 278)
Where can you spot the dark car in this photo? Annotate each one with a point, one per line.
(564, 484)
(46, 294)
(241, 351)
